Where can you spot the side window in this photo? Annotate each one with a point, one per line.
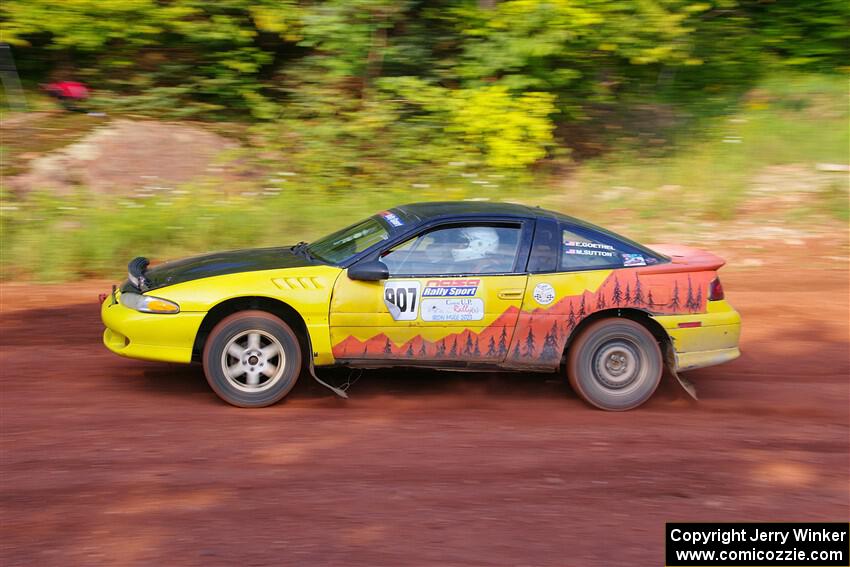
(587, 253)
(468, 249)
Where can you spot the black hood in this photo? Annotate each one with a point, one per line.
(222, 263)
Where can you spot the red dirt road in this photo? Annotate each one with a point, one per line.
(107, 461)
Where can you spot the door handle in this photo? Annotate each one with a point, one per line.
(511, 293)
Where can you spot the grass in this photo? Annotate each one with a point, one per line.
(791, 123)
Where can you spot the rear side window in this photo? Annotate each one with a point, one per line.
(587, 251)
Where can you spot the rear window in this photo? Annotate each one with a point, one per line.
(584, 250)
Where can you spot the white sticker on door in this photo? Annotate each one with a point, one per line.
(543, 293)
(452, 309)
(402, 299)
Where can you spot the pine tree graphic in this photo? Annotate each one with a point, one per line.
(491, 348)
(550, 344)
(571, 320)
(638, 296)
(689, 302)
(410, 350)
(468, 348)
(529, 343)
(422, 350)
(503, 342)
(441, 349)
(388, 348)
(600, 300)
(674, 303)
(698, 300)
(476, 351)
(453, 351)
(516, 351)
(582, 310)
(649, 301)
(628, 298)
(617, 296)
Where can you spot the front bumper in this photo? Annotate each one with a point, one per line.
(161, 337)
(714, 341)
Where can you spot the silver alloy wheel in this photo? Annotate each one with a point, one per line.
(616, 364)
(253, 361)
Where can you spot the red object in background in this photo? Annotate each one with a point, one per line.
(68, 89)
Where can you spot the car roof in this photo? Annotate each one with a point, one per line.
(437, 209)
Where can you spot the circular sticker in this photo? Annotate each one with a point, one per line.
(544, 294)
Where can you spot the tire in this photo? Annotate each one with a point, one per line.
(252, 359)
(615, 364)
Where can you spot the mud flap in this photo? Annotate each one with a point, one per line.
(335, 390)
(687, 385)
(312, 368)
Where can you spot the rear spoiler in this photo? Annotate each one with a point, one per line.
(682, 259)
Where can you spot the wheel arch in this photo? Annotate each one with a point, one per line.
(638, 315)
(276, 307)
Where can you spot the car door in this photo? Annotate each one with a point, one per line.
(453, 295)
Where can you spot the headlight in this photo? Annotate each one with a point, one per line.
(148, 304)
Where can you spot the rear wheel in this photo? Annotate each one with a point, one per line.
(615, 364)
(252, 359)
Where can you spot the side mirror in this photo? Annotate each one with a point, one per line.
(371, 271)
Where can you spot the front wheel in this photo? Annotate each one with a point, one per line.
(252, 359)
(615, 364)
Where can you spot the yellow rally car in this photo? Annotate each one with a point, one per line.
(464, 285)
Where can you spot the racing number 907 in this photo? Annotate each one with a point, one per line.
(401, 299)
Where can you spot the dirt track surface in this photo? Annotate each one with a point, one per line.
(107, 461)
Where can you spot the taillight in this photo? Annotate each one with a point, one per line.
(715, 290)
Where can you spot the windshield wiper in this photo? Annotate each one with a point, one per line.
(301, 248)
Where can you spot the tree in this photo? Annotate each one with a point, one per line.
(554, 331)
(529, 343)
(637, 299)
(582, 310)
(689, 302)
(423, 351)
(674, 302)
(409, 352)
(649, 301)
(516, 353)
(600, 300)
(503, 342)
(628, 297)
(571, 319)
(476, 351)
(453, 350)
(441, 349)
(698, 300)
(388, 347)
(617, 295)
(491, 348)
(468, 348)
(550, 346)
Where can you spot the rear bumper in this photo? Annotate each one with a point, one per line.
(707, 338)
(167, 338)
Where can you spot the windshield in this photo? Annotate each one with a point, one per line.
(342, 245)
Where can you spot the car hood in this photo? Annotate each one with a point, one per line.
(222, 263)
